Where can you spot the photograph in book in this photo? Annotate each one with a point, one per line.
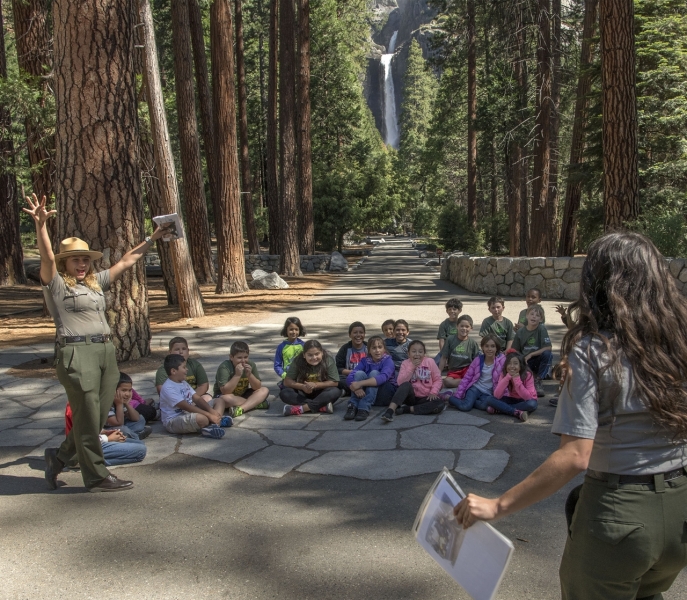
(173, 226)
(477, 557)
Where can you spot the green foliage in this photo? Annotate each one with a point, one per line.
(455, 232)
(666, 227)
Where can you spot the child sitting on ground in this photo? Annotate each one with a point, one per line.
(238, 384)
(477, 387)
(498, 324)
(449, 326)
(312, 383)
(186, 411)
(370, 375)
(419, 382)
(514, 394)
(398, 349)
(351, 353)
(123, 416)
(534, 343)
(196, 376)
(388, 334)
(291, 347)
(532, 297)
(458, 352)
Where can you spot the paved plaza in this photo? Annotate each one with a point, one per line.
(298, 507)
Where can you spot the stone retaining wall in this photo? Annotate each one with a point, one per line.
(270, 263)
(507, 276)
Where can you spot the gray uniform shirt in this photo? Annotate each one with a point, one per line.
(626, 439)
(78, 310)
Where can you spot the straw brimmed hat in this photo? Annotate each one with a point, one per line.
(74, 246)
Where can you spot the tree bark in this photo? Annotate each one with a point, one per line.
(246, 183)
(472, 115)
(189, 146)
(231, 276)
(573, 188)
(541, 235)
(289, 263)
(619, 102)
(11, 253)
(553, 195)
(272, 137)
(204, 98)
(188, 293)
(514, 198)
(306, 228)
(522, 158)
(98, 181)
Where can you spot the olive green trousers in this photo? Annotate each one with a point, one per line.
(626, 541)
(89, 374)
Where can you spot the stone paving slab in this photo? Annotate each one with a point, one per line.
(296, 438)
(26, 437)
(355, 440)
(449, 437)
(235, 444)
(9, 423)
(273, 422)
(13, 410)
(400, 422)
(456, 417)
(53, 442)
(275, 461)
(379, 465)
(55, 423)
(332, 423)
(482, 465)
(158, 447)
(51, 410)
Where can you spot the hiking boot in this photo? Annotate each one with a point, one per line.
(327, 408)
(53, 467)
(521, 415)
(147, 430)
(388, 415)
(362, 415)
(112, 484)
(433, 407)
(350, 412)
(292, 410)
(264, 405)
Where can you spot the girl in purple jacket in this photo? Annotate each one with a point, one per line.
(476, 389)
(371, 373)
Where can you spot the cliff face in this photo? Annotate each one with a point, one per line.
(412, 19)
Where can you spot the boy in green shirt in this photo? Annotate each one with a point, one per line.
(449, 326)
(238, 382)
(534, 343)
(195, 376)
(497, 324)
(532, 297)
(459, 351)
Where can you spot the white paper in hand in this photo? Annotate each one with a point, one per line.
(175, 231)
(476, 557)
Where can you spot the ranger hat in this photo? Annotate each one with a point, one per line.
(74, 246)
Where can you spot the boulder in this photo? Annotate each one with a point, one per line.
(676, 266)
(577, 262)
(517, 289)
(561, 263)
(259, 274)
(538, 262)
(432, 263)
(503, 290)
(338, 262)
(508, 278)
(572, 276)
(534, 281)
(503, 265)
(572, 291)
(555, 288)
(271, 281)
(683, 276)
(547, 273)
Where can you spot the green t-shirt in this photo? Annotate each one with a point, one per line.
(527, 341)
(312, 372)
(503, 330)
(460, 353)
(522, 319)
(226, 371)
(447, 329)
(196, 374)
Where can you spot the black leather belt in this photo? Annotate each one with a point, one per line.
(636, 479)
(95, 339)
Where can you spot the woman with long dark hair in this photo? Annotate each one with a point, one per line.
(622, 416)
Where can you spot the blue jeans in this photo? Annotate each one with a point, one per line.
(123, 453)
(508, 405)
(474, 397)
(541, 364)
(130, 429)
(370, 396)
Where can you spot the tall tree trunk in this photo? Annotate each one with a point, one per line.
(272, 135)
(261, 176)
(11, 253)
(289, 263)
(494, 198)
(618, 83)
(188, 293)
(541, 235)
(306, 228)
(246, 184)
(553, 196)
(514, 198)
(98, 181)
(204, 97)
(191, 167)
(472, 115)
(573, 188)
(231, 276)
(522, 158)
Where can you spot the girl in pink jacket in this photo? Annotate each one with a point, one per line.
(514, 394)
(419, 382)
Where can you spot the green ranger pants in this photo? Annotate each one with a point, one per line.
(89, 374)
(626, 541)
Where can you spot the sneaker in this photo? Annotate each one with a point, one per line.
(292, 410)
(362, 415)
(521, 414)
(327, 408)
(445, 396)
(213, 431)
(433, 407)
(235, 411)
(554, 401)
(158, 414)
(226, 421)
(264, 405)
(539, 389)
(404, 409)
(388, 415)
(350, 412)
(491, 410)
(147, 430)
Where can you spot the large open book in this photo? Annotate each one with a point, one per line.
(476, 557)
(174, 231)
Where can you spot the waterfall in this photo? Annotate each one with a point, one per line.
(390, 121)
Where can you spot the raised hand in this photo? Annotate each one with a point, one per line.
(38, 210)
